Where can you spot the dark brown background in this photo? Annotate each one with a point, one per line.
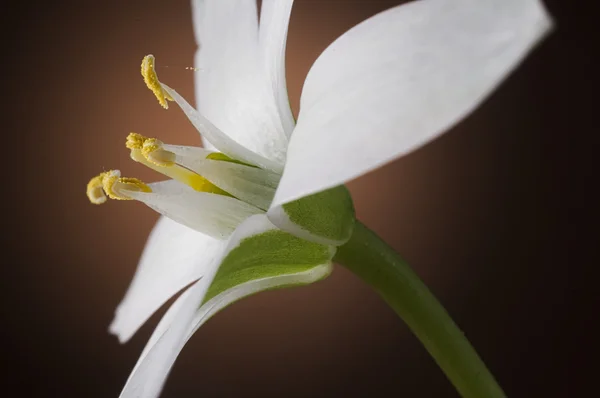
(494, 216)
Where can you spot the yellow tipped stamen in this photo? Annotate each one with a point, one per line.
(151, 149)
(154, 152)
(94, 190)
(152, 82)
(150, 153)
(180, 174)
(111, 184)
(135, 141)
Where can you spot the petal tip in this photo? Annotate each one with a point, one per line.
(118, 329)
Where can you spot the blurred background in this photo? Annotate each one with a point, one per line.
(493, 216)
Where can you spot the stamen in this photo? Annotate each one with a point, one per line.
(94, 190)
(151, 153)
(248, 183)
(154, 152)
(152, 149)
(135, 141)
(152, 82)
(111, 184)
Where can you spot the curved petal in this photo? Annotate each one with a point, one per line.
(295, 262)
(272, 37)
(174, 257)
(231, 86)
(150, 372)
(398, 80)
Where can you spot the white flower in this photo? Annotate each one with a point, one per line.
(384, 88)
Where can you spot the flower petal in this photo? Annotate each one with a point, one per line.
(273, 30)
(250, 184)
(212, 214)
(258, 257)
(223, 142)
(232, 88)
(174, 257)
(398, 80)
(150, 372)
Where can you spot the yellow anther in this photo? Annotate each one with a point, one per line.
(111, 184)
(135, 141)
(151, 80)
(154, 152)
(94, 190)
(151, 149)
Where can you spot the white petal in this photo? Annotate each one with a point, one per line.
(212, 214)
(188, 151)
(174, 257)
(186, 315)
(274, 22)
(249, 184)
(213, 21)
(223, 142)
(398, 80)
(233, 90)
(165, 344)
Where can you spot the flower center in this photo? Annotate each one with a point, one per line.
(241, 187)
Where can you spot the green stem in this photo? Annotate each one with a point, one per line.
(376, 263)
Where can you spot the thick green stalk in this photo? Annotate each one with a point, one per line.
(376, 263)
